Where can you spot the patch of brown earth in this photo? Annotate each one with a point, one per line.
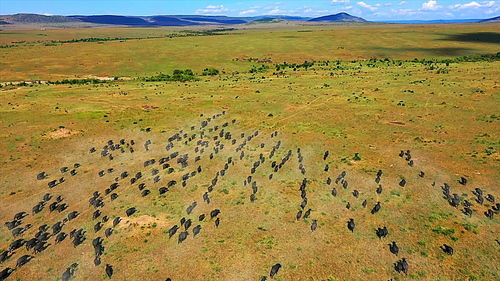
(60, 133)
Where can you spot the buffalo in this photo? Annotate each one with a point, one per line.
(109, 270)
(130, 211)
(274, 270)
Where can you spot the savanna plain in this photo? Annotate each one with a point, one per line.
(289, 132)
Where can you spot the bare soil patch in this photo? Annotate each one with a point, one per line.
(61, 133)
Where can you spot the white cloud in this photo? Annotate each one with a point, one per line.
(493, 10)
(366, 6)
(402, 3)
(275, 11)
(212, 9)
(339, 2)
(474, 5)
(431, 6)
(405, 12)
(47, 14)
(247, 12)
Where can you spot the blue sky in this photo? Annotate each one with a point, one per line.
(368, 9)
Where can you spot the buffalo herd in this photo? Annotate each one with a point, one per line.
(174, 171)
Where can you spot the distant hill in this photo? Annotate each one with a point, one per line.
(214, 19)
(189, 20)
(110, 19)
(431, 21)
(36, 18)
(266, 20)
(495, 19)
(283, 17)
(340, 17)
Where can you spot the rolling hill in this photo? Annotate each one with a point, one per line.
(495, 19)
(340, 17)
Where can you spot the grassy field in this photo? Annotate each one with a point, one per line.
(364, 112)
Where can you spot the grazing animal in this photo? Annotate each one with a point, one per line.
(182, 237)
(96, 214)
(382, 232)
(72, 215)
(201, 217)
(468, 211)
(108, 232)
(214, 213)
(364, 203)
(16, 244)
(217, 222)
(172, 231)
(376, 208)
(21, 215)
(462, 181)
(67, 274)
(17, 231)
(196, 230)
(97, 260)
(447, 249)
(351, 225)
(314, 225)
(109, 270)
(190, 208)
(394, 248)
(12, 224)
(402, 183)
(304, 203)
(97, 227)
(355, 193)
(4, 255)
(334, 192)
(252, 197)
(52, 206)
(23, 260)
(404, 263)
(130, 211)
(116, 221)
(307, 214)
(348, 206)
(274, 270)
(489, 197)
(489, 214)
(60, 237)
(187, 224)
(422, 174)
(379, 189)
(299, 214)
(6, 273)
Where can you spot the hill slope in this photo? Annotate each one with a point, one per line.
(340, 17)
(36, 18)
(495, 19)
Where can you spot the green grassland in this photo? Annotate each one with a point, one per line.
(351, 101)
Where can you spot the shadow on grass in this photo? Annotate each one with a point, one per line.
(478, 37)
(445, 51)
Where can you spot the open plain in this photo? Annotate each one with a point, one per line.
(179, 123)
